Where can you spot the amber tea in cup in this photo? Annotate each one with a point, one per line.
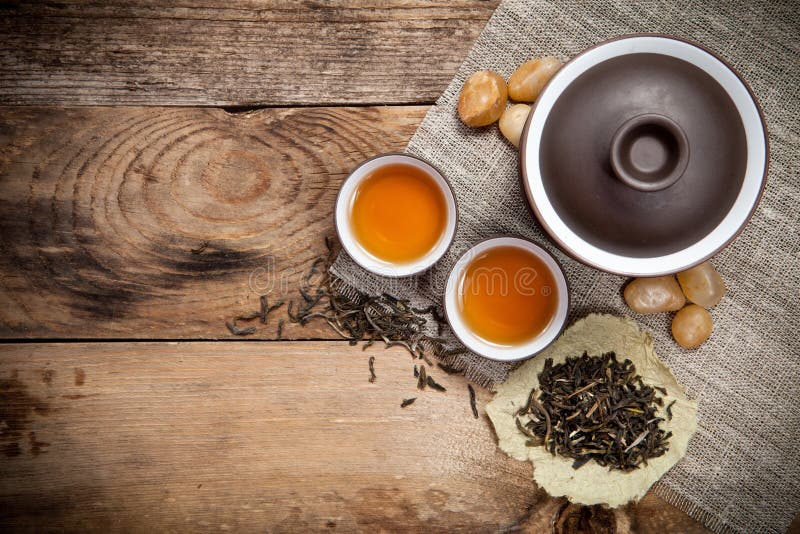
(507, 295)
(396, 215)
(506, 298)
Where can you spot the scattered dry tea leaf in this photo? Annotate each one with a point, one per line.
(422, 381)
(372, 375)
(472, 404)
(240, 331)
(435, 385)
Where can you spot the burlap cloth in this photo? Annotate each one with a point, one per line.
(742, 469)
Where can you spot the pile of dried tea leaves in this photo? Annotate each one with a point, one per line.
(357, 317)
(595, 408)
(598, 335)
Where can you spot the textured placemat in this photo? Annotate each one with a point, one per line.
(742, 469)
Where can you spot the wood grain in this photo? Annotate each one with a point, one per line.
(246, 53)
(201, 437)
(162, 223)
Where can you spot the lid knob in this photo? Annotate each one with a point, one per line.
(649, 152)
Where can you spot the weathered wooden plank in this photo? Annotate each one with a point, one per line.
(219, 53)
(197, 437)
(162, 223)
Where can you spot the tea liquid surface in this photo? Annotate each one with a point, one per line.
(398, 213)
(507, 295)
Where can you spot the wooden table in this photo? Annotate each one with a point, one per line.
(161, 166)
